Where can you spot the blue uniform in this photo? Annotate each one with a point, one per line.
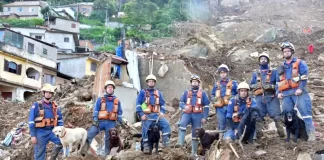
(303, 101)
(267, 103)
(221, 111)
(163, 122)
(104, 125)
(193, 118)
(241, 111)
(44, 134)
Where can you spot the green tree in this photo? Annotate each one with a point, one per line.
(104, 4)
(139, 13)
(46, 11)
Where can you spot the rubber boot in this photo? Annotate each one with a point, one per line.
(258, 129)
(311, 136)
(56, 150)
(194, 148)
(146, 149)
(280, 129)
(166, 140)
(181, 138)
(85, 148)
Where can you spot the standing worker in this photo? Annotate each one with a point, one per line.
(44, 115)
(150, 105)
(106, 113)
(194, 104)
(222, 92)
(263, 84)
(291, 87)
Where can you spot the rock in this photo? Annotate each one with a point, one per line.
(314, 76)
(272, 126)
(188, 138)
(254, 55)
(169, 109)
(260, 152)
(318, 82)
(320, 58)
(304, 156)
(240, 55)
(137, 124)
(316, 111)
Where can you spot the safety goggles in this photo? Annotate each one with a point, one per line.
(286, 45)
(194, 77)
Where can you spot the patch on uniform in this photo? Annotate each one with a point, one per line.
(230, 102)
(33, 106)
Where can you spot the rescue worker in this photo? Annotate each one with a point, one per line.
(263, 84)
(291, 87)
(222, 93)
(194, 104)
(236, 110)
(107, 112)
(150, 106)
(44, 115)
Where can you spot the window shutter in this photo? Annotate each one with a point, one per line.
(19, 69)
(6, 65)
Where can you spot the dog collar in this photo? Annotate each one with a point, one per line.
(63, 134)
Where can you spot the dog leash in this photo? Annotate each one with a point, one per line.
(295, 108)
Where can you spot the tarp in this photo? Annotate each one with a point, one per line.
(132, 67)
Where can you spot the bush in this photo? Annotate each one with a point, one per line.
(14, 22)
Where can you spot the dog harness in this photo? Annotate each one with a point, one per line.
(196, 108)
(152, 108)
(40, 121)
(259, 90)
(285, 84)
(63, 134)
(222, 101)
(104, 114)
(236, 117)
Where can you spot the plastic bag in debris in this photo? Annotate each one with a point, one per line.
(163, 69)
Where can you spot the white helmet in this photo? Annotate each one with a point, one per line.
(150, 77)
(109, 82)
(287, 45)
(48, 88)
(223, 67)
(264, 54)
(243, 85)
(194, 77)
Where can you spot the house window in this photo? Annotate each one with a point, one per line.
(12, 67)
(44, 51)
(66, 39)
(73, 25)
(93, 66)
(14, 39)
(38, 37)
(8, 9)
(31, 9)
(49, 79)
(31, 48)
(19, 9)
(84, 9)
(58, 66)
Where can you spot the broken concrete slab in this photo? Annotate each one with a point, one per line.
(320, 58)
(260, 153)
(304, 156)
(240, 55)
(318, 82)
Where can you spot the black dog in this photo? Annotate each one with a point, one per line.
(294, 125)
(206, 138)
(153, 135)
(249, 120)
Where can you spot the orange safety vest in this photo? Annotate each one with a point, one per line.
(285, 84)
(152, 108)
(198, 108)
(222, 101)
(259, 90)
(40, 121)
(235, 116)
(104, 114)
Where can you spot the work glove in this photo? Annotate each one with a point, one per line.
(95, 123)
(268, 86)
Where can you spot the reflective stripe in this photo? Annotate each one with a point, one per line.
(95, 111)
(162, 107)
(31, 122)
(181, 102)
(182, 128)
(194, 138)
(206, 106)
(307, 117)
(166, 133)
(145, 140)
(60, 120)
(138, 106)
(120, 115)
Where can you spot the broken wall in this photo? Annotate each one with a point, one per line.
(127, 97)
(174, 82)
